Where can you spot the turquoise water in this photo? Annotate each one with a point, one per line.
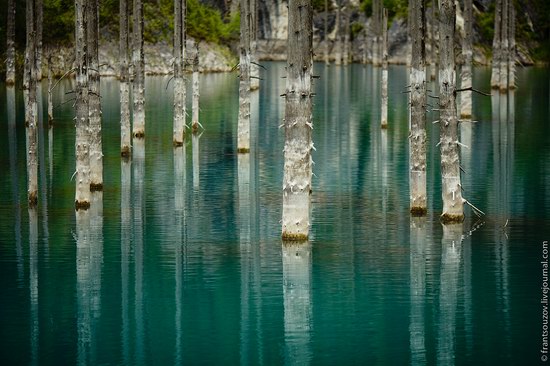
(180, 260)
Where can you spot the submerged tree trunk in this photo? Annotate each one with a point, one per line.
(254, 68)
(384, 111)
(298, 122)
(39, 12)
(466, 71)
(504, 50)
(453, 208)
(179, 72)
(327, 61)
(196, 92)
(495, 64)
(338, 34)
(94, 102)
(375, 29)
(50, 84)
(346, 54)
(10, 49)
(243, 133)
(139, 71)
(31, 105)
(417, 139)
(82, 147)
(512, 48)
(125, 126)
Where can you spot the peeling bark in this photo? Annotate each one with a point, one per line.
(196, 92)
(298, 122)
(495, 64)
(94, 102)
(10, 49)
(466, 71)
(504, 50)
(243, 133)
(139, 72)
(50, 100)
(125, 126)
(512, 49)
(39, 11)
(337, 26)
(254, 68)
(451, 188)
(180, 9)
(417, 139)
(82, 147)
(346, 54)
(376, 30)
(384, 99)
(31, 106)
(434, 40)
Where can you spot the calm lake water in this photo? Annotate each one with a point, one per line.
(180, 260)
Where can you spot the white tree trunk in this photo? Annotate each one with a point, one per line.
(196, 161)
(196, 91)
(298, 122)
(31, 106)
(451, 188)
(96, 148)
(418, 252)
(504, 50)
(346, 53)
(254, 68)
(139, 71)
(179, 72)
(50, 96)
(243, 133)
(82, 147)
(376, 29)
(10, 49)
(39, 14)
(384, 99)
(512, 50)
(327, 41)
(417, 139)
(125, 125)
(338, 33)
(495, 64)
(435, 38)
(466, 71)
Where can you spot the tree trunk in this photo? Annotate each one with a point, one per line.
(180, 9)
(338, 35)
(435, 34)
(346, 54)
(243, 134)
(254, 68)
(50, 97)
(453, 208)
(196, 92)
(384, 99)
(298, 122)
(82, 147)
(39, 12)
(417, 139)
(466, 71)
(10, 49)
(495, 64)
(125, 126)
(327, 61)
(376, 20)
(31, 105)
(139, 71)
(96, 149)
(504, 50)
(512, 50)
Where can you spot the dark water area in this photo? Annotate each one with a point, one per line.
(179, 260)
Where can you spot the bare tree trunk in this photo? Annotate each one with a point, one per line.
(243, 133)
(180, 9)
(466, 71)
(94, 104)
(196, 92)
(298, 122)
(254, 68)
(31, 105)
(504, 50)
(125, 126)
(139, 71)
(50, 97)
(10, 49)
(384, 99)
(338, 33)
(409, 33)
(495, 64)
(82, 147)
(327, 61)
(346, 54)
(435, 39)
(417, 139)
(375, 28)
(512, 51)
(453, 208)
(39, 12)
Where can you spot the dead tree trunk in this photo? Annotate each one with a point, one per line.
(346, 54)
(50, 97)
(417, 139)
(180, 9)
(338, 34)
(82, 147)
(327, 61)
(512, 49)
(31, 105)
(466, 71)
(196, 92)
(254, 68)
(504, 49)
(243, 133)
(384, 111)
(495, 64)
(10, 49)
(39, 12)
(125, 126)
(375, 29)
(434, 53)
(298, 122)
(139, 71)
(94, 102)
(453, 208)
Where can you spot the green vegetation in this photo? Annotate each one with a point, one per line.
(396, 8)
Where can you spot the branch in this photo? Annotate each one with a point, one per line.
(65, 102)
(472, 89)
(257, 64)
(477, 211)
(61, 78)
(168, 83)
